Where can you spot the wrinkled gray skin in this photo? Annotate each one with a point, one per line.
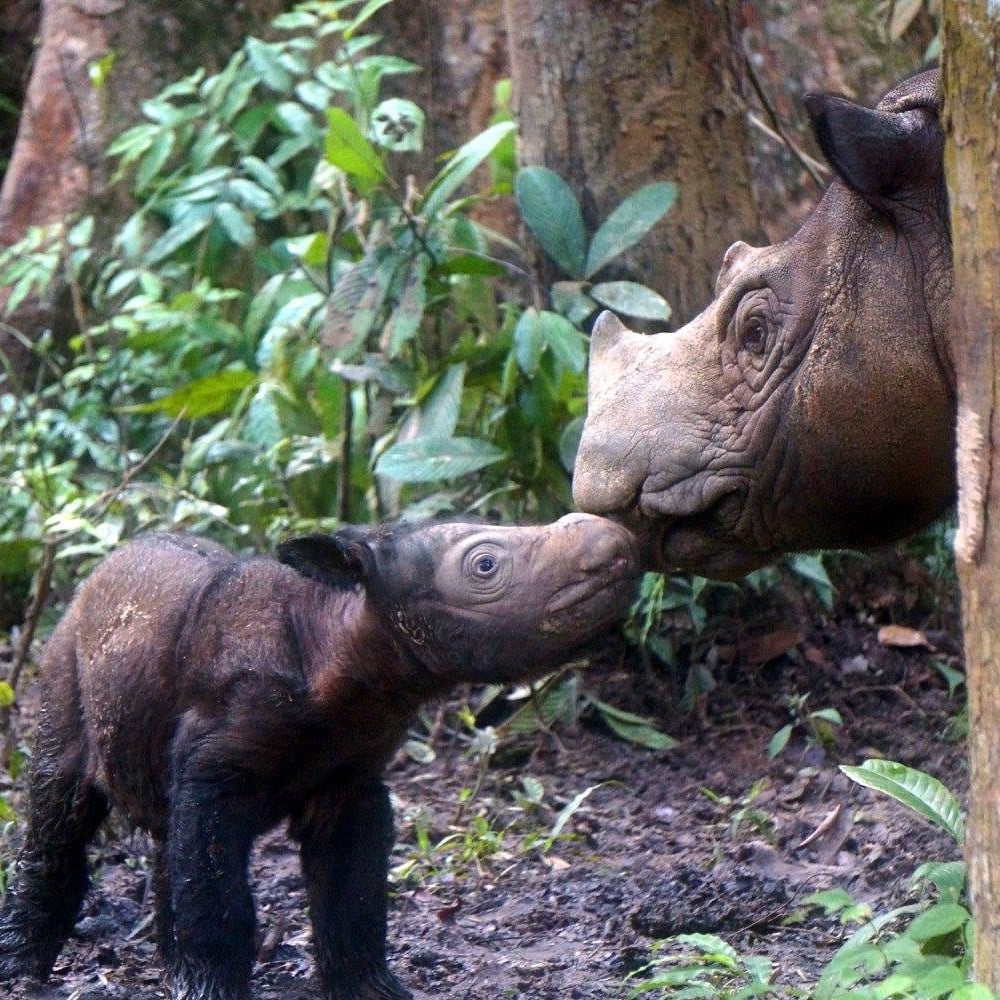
(812, 403)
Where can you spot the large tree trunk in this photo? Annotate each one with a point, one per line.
(461, 47)
(57, 165)
(613, 96)
(972, 105)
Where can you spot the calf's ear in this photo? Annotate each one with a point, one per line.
(878, 153)
(344, 557)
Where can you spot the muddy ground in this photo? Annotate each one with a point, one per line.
(666, 843)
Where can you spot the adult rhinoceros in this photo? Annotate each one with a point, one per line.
(812, 403)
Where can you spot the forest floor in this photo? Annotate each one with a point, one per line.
(710, 836)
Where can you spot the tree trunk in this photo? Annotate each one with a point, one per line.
(57, 165)
(972, 105)
(613, 96)
(461, 47)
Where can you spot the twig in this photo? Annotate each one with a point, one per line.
(42, 587)
(814, 168)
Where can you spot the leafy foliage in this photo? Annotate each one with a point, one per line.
(285, 331)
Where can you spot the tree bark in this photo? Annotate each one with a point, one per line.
(613, 96)
(57, 164)
(461, 47)
(972, 106)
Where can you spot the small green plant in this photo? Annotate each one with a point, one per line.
(744, 811)
(704, 966)
(819, 725)
(918, 951)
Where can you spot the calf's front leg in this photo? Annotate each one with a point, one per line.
(345, 847)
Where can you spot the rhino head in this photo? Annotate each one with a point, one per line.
(812, 403)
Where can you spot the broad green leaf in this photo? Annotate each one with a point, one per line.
(404, 322)
(200, 398)
(779, 741)
(6, 695)
(151, 163)
(811, 569)
(564, 340)
(266, 60)
(973, 991)
(349, 150)
(830, 715)
(193, 224)
(437, 416)
(457, 170)
(234, 224)
(428, 459)
(632, 299)
(937, 921)
(633, 728)
(629, 222)
(528, 342)
(552, 212)
(922, 793)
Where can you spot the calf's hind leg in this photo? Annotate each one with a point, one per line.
(345, 849)
(50, 878)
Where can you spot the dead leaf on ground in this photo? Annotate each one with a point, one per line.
(903, 637)
(761, 649)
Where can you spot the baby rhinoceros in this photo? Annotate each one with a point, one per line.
(208, 697)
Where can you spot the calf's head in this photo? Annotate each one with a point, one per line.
(482, 603)
(812, 403)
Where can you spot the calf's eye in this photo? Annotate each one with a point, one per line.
(484, 565)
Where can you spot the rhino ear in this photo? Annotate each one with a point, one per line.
(344, 557)
(878, 153)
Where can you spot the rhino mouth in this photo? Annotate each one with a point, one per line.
(708, 542)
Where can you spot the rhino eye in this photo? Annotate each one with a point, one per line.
(755, 334)
(484, 565)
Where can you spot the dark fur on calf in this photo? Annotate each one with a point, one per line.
(209, 697)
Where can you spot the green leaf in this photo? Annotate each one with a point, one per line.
(632, 299)
(811, 569)
(6, 695)
(567, 811)
(552, 212)
(457, 170)
(629, 222)
(831, 715)
(266, 60)
(528, 342)
(234, 224)
(200, 398)
(349, 150)
(363, 15)
(920, 792)
(564, 340)
(941, 919)
(437, 416)
(16, 556)
(779, 741)
(405, 319)
(428, 459)
(153, 161)
(191, 225)
(633, 728)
